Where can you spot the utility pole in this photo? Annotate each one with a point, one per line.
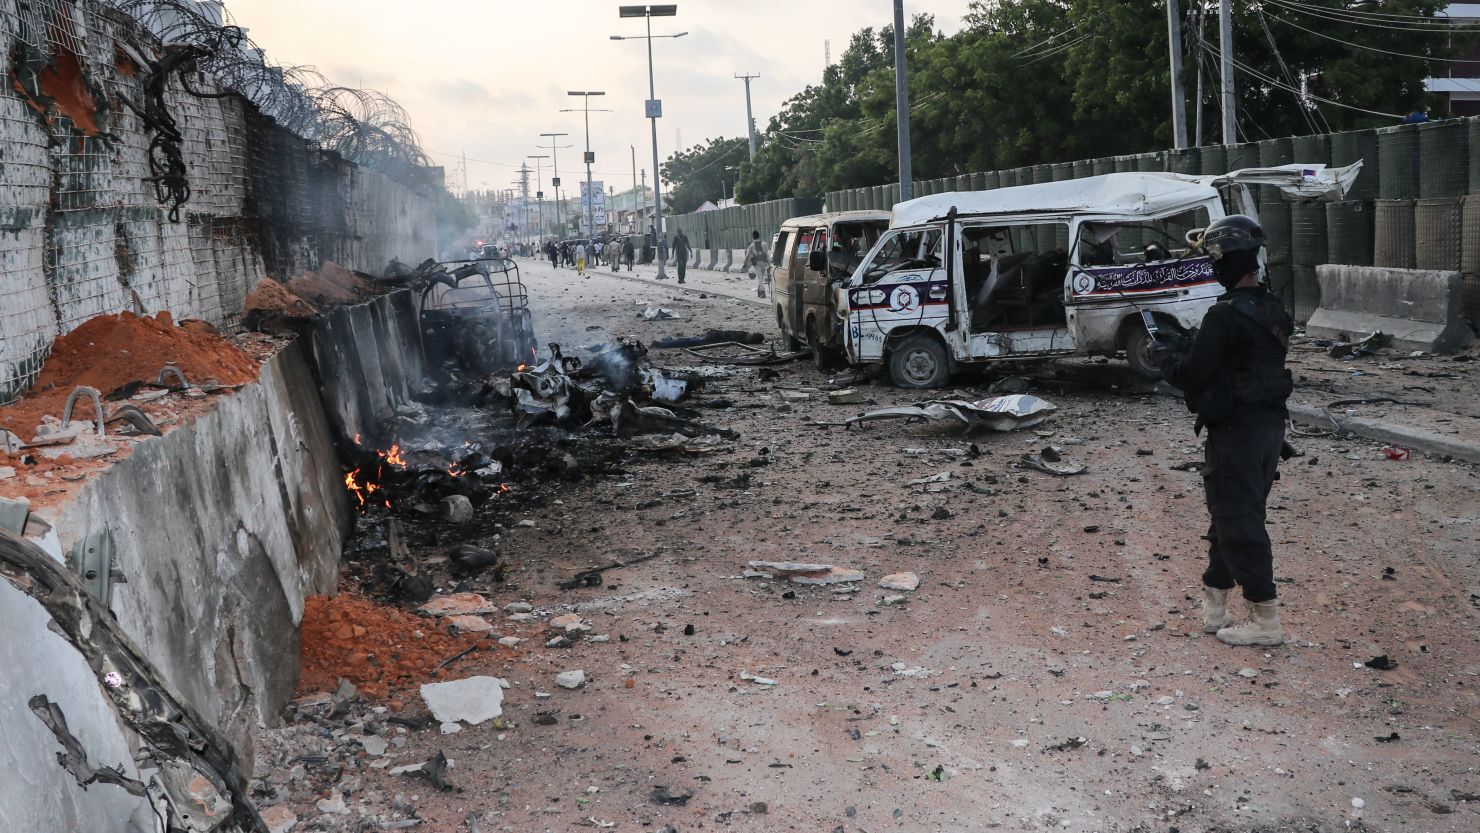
(1174, 51)
(902, 105)
(590, 214)
(523, 181)
(555, 157)
(653, 106)
(639, 199)
(1225, 52)
(465, 170)
(749, 119)
(539, 194)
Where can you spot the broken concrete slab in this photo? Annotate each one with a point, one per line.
(571, 679)
(900, 581)
(458, 604)
(803, 573)
(470, 624)
(278, 818)
(847, 396)
(472, 700)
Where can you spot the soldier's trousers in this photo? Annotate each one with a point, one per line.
(1243, 455)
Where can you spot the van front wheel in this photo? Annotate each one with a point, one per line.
(920, 361)
(1138, 354)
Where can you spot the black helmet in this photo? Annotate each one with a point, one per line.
(1234, 233)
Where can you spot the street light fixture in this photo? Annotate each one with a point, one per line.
(555, 157)
(590, 157)
(654, 107)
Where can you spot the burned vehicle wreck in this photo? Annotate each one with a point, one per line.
(473, 316)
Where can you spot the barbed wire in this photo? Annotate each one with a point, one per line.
(366, 127)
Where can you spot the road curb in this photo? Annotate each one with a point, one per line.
(1381, 430)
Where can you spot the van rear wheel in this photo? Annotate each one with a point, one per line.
(920, 361)
(1138, 354)
(824, 358)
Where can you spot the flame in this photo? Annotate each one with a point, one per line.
(393, 456)
(503, 487)
(354, 487)
(520, 368)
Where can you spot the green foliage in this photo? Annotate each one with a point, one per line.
(703, 173)
(1033, 81)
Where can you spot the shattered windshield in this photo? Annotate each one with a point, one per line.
(907, 249)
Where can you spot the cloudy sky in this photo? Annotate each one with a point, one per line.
(488, 76)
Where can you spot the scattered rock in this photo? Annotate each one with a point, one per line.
(375, 745)
(333, 805)
(1248, 672)
(558, 642)
(571, 679)
(892, 599)
(662, 795)
(457, 509)
(457, 604)
(941, 513)
(803, 573)
(518, 607)
(470, 624)
(450, 728)
(847, 396)
(279, 819)
(474, 699)
(900, 581)
(509, 641)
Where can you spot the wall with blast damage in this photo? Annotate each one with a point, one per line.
(82, 229)
(221, 528)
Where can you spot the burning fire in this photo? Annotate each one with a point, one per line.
(393, 456)
(361, 491)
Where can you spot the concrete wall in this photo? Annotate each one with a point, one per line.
(222, 528)
(83, 233)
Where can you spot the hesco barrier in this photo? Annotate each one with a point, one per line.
(1443, 163)
(1307, 251)
(1397, 150)
(1350, 147)
(1470, 253)
(1374, 225)
(1349, 233)
(1393, 238)
(1436, 237)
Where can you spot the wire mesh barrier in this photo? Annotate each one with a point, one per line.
(1397, 148)
(1308, 250)
(1358, 146)
(1349, 232)
(1393, 238)
(1470, 254)
(1443, 163)
(1436, 238)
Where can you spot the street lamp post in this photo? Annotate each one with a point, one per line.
(654, 107)
(539, 192)
(590, 157)
(555, 157)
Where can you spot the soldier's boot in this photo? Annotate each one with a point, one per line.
(1215, 609)
(1262, 628)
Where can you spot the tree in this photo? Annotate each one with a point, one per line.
(1034, 81)
(702, 173)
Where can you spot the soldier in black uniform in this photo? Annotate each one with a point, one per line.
(1234, 377)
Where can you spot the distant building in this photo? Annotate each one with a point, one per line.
(1461, 82)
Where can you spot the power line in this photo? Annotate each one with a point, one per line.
(1273, 83)
(1373, 48)
(1338, 16)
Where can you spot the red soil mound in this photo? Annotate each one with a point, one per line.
(109, 351)
(377, 647)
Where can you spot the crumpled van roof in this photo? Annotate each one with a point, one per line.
(1140, 193)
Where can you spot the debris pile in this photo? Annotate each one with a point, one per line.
(1001, 413)
(380, 649)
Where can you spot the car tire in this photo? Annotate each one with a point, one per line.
(1138, 355)
(920, 361)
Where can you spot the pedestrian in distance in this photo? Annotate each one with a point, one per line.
(581, 258)
(681, 253)
(629, 252)
(755, 261)
(1234, 377)
(614, 253)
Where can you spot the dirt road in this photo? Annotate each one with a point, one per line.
(1048, 673)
